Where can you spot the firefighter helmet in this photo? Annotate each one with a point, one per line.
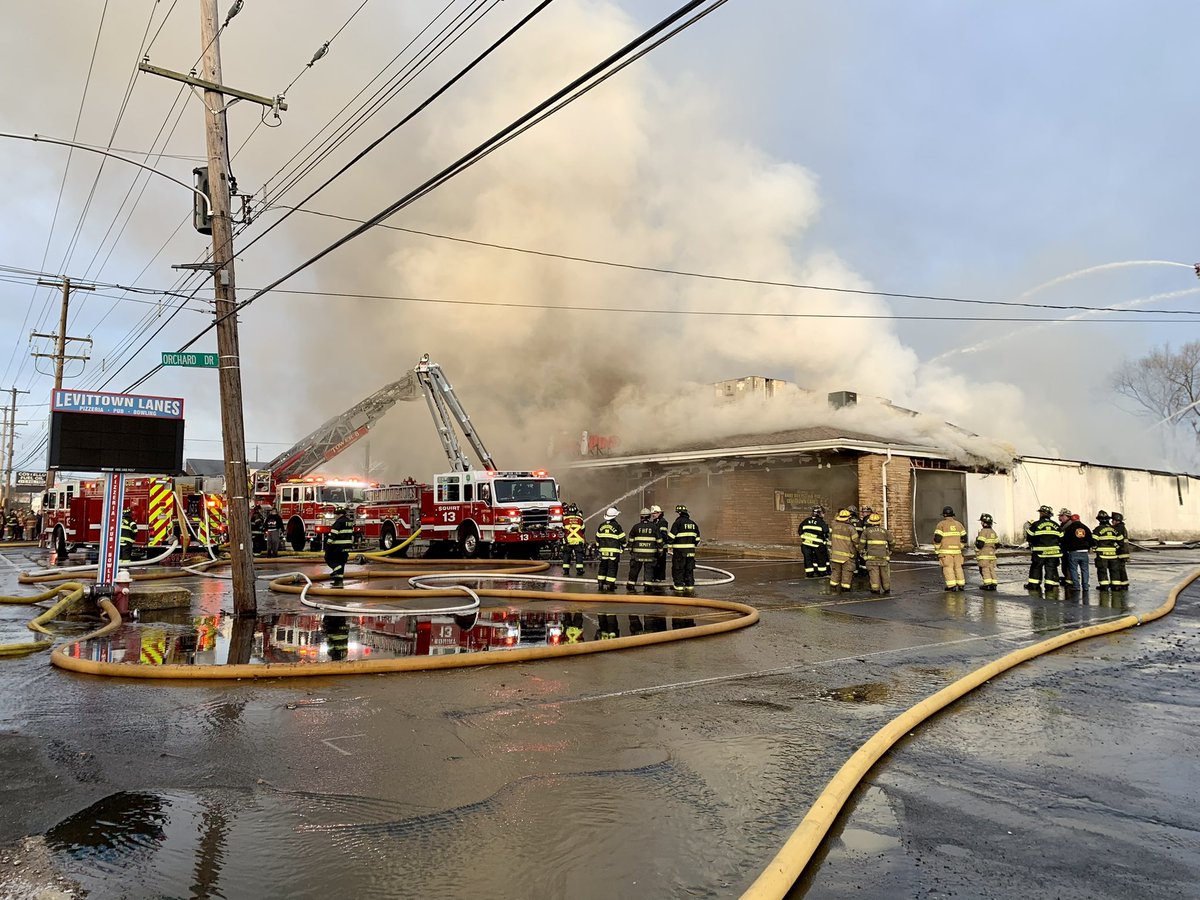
(1044, 510)
(655, 508)
(874, 519)
(986, 519)
(818, 510)
(681, 509)
(645, 513)
(612, 513)
(1065, 512)
(843, 515)
(1117, 517)
(852, 510)
(1102, 516)
(947, 511)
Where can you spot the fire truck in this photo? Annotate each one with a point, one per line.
(468, 510)
(73, 510)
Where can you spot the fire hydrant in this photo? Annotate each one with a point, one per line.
(121, 592)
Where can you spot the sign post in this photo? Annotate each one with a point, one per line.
(110, 529)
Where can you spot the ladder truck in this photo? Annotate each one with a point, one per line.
(473, 511)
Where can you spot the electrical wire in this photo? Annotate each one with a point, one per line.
(735, 279)
(61, 187)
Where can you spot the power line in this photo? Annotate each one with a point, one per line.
(725, 313)
(733, 279)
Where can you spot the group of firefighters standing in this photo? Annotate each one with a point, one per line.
(860, 545)
(648, 542)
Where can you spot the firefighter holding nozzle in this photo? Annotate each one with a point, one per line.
(338, 544)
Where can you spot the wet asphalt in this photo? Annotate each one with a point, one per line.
(669, 771)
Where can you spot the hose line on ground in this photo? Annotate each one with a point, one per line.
(795, 855)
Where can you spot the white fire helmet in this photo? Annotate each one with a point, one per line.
(655, 508)
(612, 513)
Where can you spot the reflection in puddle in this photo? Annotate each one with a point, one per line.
(312, 637)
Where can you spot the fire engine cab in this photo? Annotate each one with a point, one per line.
(308, 506)
(474, 512)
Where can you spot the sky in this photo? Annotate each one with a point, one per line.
(951, 149)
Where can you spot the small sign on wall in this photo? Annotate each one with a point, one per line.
(796, 501)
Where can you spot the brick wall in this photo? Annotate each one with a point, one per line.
(899, 494)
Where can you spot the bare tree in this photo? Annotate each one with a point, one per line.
(1166, 384)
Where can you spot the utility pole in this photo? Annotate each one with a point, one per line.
(60, 346)
(12, 430)
(241, 550)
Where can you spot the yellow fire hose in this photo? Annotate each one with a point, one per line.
(748, 616)
(71, 592)
(792, 859)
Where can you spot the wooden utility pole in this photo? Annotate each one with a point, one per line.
(60, 341)
(241, 550)
(11, 420)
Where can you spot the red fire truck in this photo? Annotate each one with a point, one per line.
(72, 511)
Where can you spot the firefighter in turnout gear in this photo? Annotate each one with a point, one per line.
(128, 534)
(860, 563)
(684, 537)
(610, 541)
(659, 521)
(986, 543)
(843, 548)
(644, 544)
(273, 529)
(338, 544)
(949, 538)
(1106, 539)
(877, 551)
(574, 540)
(1045, 543)
(814, 543)
(1120, 580)
(258, 540)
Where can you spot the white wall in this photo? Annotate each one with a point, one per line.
(1154, 505)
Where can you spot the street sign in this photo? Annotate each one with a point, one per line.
(192, 360)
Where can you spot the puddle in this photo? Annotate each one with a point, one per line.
(315, 637)
(869, 692)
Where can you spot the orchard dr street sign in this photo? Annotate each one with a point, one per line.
(194, 360)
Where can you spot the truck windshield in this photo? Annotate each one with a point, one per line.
(341, 494)
(520, 490)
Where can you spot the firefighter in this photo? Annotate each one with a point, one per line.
(14, 525)
(684, 537)
(258, 542)
(610, 541)
(860, 562)
(814, 543)
(1064, 521)
(877, 550)
(949, 538)
(574, 540)
(1120, 578)
(1106, 539)
(843, 548)
(128, 534)
(644, 543)
(1045, 545)
(985, 552)
(1076, 542)
(660, 563)
(338, 543)
(273, 531)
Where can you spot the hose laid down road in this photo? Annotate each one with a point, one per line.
(791, 861)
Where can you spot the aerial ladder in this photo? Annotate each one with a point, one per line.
(339, 432)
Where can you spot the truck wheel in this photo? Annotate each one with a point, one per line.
(295, 535)
(387, 540)
(468, 542)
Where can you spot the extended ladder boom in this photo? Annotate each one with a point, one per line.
(335, 435)
(447, 410)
